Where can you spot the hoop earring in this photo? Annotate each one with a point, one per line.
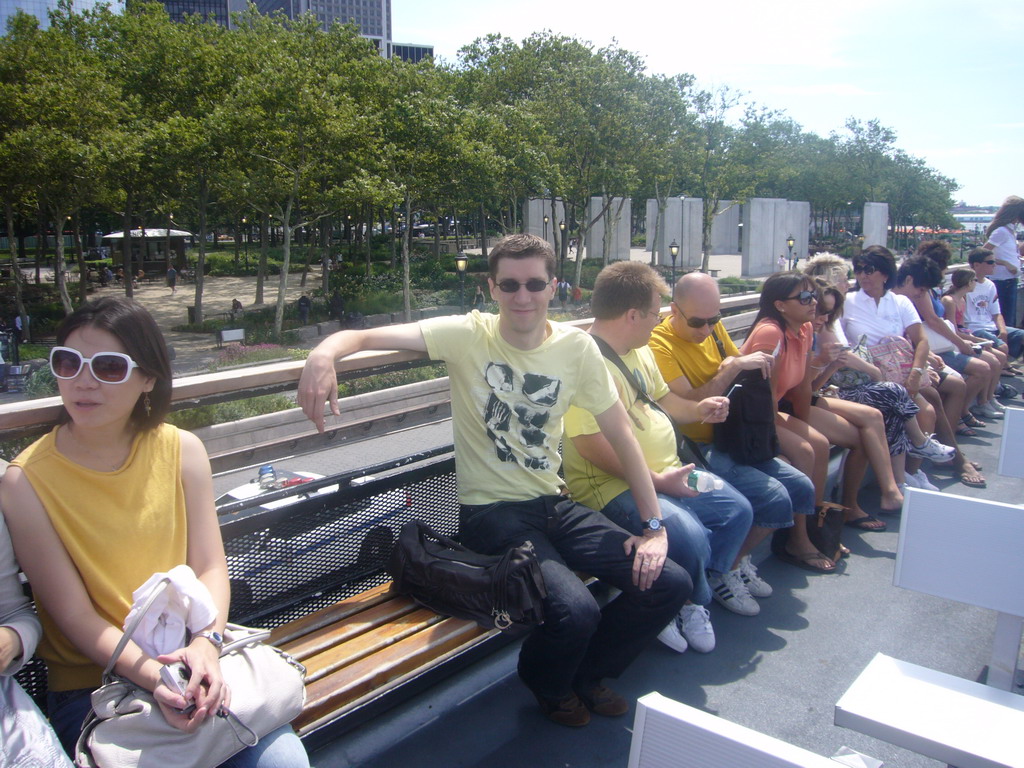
(146, 404)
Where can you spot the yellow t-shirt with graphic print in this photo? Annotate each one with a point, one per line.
(653, 429)
(508, 403)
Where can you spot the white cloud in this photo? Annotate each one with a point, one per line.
(821, 89)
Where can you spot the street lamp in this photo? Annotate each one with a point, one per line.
(460, 264)
(673, 251)
(790, 242)
(546, 228)
(245, 227)
(561, 262)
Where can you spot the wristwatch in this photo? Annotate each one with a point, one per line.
(922, 371)
(213, 636)
(653, 524)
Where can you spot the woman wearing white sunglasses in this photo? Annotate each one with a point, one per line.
(106, 499)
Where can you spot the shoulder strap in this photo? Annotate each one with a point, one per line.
(719, 344)
(130, 629)
(689, 446)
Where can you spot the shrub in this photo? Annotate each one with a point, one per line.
(237, 354)
(33, 352)
(381, 381)
(42, 383)
(220, 413)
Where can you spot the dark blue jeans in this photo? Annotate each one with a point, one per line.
(579, 643)
(1006, 290)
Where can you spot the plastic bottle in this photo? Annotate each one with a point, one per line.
(267, 477)
(704, 481)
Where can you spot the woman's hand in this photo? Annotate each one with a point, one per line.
(206, 686)
(10, 647)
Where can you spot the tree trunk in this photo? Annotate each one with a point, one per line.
(393, 240)
(40, 243)
(406, 245)
(204, 197)
(483, 231)
(286, 256)
(83, 272)
(16, 276)
(126, 247)
(326, 227)
(261, 269)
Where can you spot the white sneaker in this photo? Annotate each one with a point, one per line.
(910, 480)
(996, 405)
(672, 635)
(933, 450)
(922, 481)
(731, 592)
(695, 622)
(757, 586)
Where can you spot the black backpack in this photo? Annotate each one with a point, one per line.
(748, 433)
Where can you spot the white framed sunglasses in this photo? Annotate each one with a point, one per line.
(107, 367)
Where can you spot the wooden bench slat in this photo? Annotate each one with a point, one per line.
(293, 630)
(337, 692)
(344, 630)
(340, 654)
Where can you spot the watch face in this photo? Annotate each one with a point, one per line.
(654, 524)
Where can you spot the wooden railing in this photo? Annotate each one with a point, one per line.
(364, 416)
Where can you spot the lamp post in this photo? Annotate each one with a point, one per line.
(674, 251)
(348, 218)
(546, 220)
(562, 249)
(245, 227)
(460, 264)
(790, 242)
(740, 227)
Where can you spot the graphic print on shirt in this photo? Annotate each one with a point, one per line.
(517, 412)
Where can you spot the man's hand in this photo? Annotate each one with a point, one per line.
(673, 482)
(965, 347)
(755, 361)
(651, 553)
(318, 383)
(713, 410)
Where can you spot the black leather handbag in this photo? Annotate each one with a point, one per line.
(503, 592)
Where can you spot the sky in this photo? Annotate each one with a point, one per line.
(947, 77)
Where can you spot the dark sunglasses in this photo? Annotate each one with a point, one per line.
(700, 322)
(804, 297)
(989, 262)
(533, 285)
(108, 367)
(864, 269)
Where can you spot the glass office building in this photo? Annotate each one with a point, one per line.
(41, 9)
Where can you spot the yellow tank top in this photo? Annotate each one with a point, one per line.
(119, 528)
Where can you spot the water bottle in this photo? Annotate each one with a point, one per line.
(267, 477)
(704, 481)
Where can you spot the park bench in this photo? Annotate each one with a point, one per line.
(965, 550)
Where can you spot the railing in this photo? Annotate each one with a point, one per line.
(363, 416)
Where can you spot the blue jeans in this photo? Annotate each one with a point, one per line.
(1006, 290)
(774, 489)
(278, 749)
(704, 532)
(579, 643)
(1014, 338)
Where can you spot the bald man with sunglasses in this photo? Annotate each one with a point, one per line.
(513, 376)
(698, 359)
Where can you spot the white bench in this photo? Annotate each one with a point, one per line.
(669, 734)
(968, 550)
(947, 718)
(227, 335)
(1011, 448)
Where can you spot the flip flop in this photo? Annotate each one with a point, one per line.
(865, 523)
(804, 561)
(972, 482)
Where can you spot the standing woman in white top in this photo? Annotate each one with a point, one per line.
(1002, 241)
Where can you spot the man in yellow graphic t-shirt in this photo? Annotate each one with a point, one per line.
(513, 376)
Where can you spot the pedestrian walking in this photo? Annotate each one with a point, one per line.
(172, 278)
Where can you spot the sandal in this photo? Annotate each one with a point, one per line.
(804, 561)
(867, 523)
(970, 420)
(970, 477)
(964, 431)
